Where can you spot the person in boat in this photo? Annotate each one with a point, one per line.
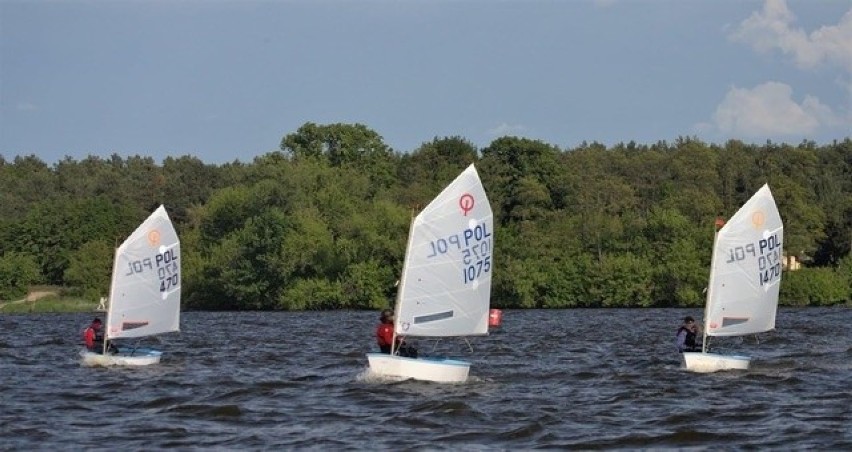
(384, 337)
(686, 335)
(94, 338)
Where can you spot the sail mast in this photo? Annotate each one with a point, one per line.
(110, 298)
(709, 288)
(401, 285)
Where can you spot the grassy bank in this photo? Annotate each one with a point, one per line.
(49, 304)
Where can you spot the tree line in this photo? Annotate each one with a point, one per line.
(323, 223)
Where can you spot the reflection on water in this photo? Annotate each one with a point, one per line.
(544, 379)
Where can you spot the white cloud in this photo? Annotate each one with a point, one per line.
(770, 110)
(772, 28)
(506, 129)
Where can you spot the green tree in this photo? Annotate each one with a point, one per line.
(804, 220)
(55, 228)
(353, 145)
(833, 189)
(620, 280)
(188, 182)
(679, 256)
(428, 169)
(311, 293)
(515, 168)
(17, 272)
(693, 186)
(565, 285)
(735, 181)
(23, 183)
(814, 286)
(365, 285)
(844, 273)
(249, 268)
(90, 268)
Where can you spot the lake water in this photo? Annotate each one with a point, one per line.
(586, 379)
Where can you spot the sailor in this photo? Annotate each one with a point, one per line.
(94, 337)
(686, 335)
(384, 337)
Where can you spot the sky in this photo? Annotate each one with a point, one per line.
(226, 80)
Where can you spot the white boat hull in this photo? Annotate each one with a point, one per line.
(441, 370)
(711, 362)
(138, 357)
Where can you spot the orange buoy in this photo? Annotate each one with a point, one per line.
(495, 317)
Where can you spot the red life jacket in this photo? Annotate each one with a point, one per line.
(384, 334)
(89, 338)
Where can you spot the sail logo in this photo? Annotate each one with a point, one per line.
(757, 219)
(154, 238)
(466, 203)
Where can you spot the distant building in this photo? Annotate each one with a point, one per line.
(790, 263)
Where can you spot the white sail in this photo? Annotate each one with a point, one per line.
(745, 274)
(144, 297)
(445, 288)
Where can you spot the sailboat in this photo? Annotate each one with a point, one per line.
(745, 275)
(144, 295)
(445, 287)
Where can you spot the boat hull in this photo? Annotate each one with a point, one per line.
(138, 357)
(440, 370)
(711, 362)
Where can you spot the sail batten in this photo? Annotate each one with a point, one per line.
(433, 317)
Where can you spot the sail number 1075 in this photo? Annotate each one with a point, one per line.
(476, 259)
(476, 269)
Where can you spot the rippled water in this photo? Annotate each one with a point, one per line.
(544, 379)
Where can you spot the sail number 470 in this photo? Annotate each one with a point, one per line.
(169, 276)
(168, 270)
